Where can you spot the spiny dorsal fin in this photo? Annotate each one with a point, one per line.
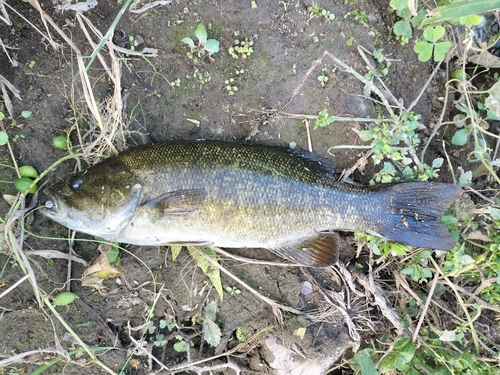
(321, 250)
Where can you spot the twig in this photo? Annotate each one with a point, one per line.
(424, 87)
(253, 261)
(423, 312)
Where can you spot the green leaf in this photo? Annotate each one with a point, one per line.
(4, 138)
(440, 50)
(112, 254)
(211, 331)
(401, 8)
(460, 137)
(180, 346)
(189, 42)
(437, 163)
(465, 179)
(201, 34)
(403, 352)
(494, 212)
(175, 252)
(64, 298)
(466, 259)
(212, 46)
(433, 34)
(26, 114)
(403, 28)
(470, 20)
(424, 50)
(208, 268)
(492, 102)
(363, 362)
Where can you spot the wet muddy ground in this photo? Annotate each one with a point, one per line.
(264, 98)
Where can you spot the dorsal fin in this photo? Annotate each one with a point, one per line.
(321, 250)
(315, 163)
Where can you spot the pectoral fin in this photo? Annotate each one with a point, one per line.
(177, 203)
(321, 250)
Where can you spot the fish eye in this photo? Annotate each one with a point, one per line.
(76, 183)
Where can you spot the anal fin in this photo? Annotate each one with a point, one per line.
(320, 250)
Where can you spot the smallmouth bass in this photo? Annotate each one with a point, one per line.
(236, 195)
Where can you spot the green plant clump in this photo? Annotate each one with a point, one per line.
(241, 48)
(208, 46)
(451, 13)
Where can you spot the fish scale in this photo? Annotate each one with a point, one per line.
(239, 195)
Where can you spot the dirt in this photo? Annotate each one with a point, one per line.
(286, 44)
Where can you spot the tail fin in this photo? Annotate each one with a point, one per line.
(415, 209)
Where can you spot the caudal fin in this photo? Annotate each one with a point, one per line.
(414, 212)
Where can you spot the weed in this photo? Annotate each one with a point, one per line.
(133, 42)
(176, 83)
(432, 44)
(202, 77)
(359, 16)
(453, 13)
(208, 46)
(230, 83)
(232, 290)
(322, 78)
(316, 12)
(241, 48)
(240, 335)
(323, 120)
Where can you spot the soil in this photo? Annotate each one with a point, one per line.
(172, 96)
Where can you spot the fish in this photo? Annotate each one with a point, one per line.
(236, 195)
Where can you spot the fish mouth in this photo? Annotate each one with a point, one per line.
(52, 206)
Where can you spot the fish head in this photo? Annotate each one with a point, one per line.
(100, 201)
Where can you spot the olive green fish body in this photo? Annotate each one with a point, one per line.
(235, 195)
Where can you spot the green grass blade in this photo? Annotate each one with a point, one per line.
(460, 9)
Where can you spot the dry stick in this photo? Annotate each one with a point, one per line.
(296, 91)
(461, 302)
(435, 303)
(423, 312)
(77, 338)
(239, 347)
(109, 33)
(19, 357)
(362, 51)
(478, 300)
(424, 87)
(309, 143)
(269, 301)
(335, 118)
(363, 160)
(86, 86)
(14, 286)
(54, 44)
(253, 261)
(472, 190)
(387, 311)
(71, 241)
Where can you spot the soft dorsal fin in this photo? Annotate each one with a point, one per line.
(177, 203)
(321, 250)
(316, 163)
